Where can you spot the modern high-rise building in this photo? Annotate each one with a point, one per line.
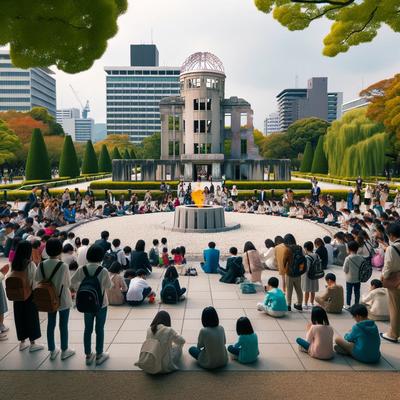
(315, 101)
(67, 113)
(134, 94)
(354, 104)
(81, 129)
(23, 89)
(271, 123)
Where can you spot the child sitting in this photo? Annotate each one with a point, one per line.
(275, 303)
(128, 276)
(154, 254)
(319, 337)
(171, 278)
(165, 258)
(332, 299)
(139, 290)
(363, 341)
(376, 301)
(246, 349)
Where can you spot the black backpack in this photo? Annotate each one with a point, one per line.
(315, 271)
(298, 265)
(169, 295)
(89, 298)
(365, 271)
(109, 258)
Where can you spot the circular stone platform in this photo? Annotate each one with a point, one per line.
(255, 228)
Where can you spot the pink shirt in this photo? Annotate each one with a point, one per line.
(320, 338)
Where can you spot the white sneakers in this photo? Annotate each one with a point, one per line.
(67, 353)
(54, 354)
(3, 328)
(23, 346)
(35, 347)
(102, 358)
(90, 359)
(3, 337)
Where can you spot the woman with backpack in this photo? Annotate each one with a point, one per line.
(171, 290)
(116, 294)
(92, 282)
(309, 285)
(26, 315)
(252, 262)
(166, 347)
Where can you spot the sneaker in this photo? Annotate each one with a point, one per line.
(90, 359)
(289, 308)
(3, 337)
(346, 308)
(23, 346)
(67, 353)
(4, 328)
(35, 347)
(305, 306)
(298, 307)
(54, 354)
(388, 338)
(103, 357)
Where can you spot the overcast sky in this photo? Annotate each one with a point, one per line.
(260, 56)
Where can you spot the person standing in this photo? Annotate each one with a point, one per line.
(351, 268)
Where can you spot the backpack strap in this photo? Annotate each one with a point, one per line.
(55, 270)
(42, 270)
(98, 271)
(85, 271)
(396, 250)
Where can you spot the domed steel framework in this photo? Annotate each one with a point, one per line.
(203, 61)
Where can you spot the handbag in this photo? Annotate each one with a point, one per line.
(393, 282)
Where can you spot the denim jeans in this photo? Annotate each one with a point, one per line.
(303, 343)
(63, 325)
(235, 350)
(349, 290)
(194, 352)
(89, 318)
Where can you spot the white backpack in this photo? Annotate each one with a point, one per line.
(149, 358)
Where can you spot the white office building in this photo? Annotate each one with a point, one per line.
(271, 123)
(81, 129)
(67, 113)
(23, 89)
(354, 104)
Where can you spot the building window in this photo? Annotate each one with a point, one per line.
(195, 104)
(202, 104)
(194, 83)
(202, 148)
(228, 121)
(212, 83)
(199, 126)
(243, 120)
(208, 104)
(171, 150)
(243, 146)
(208, 126)
(196, 126)
(173, 123)
(202, 126)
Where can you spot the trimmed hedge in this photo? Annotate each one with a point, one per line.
(37, 161)
(135, 185)
(10, 186)
(266, 185)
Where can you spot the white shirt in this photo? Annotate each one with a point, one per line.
(81, 258)
(329, 249)
(136, 287)
(71, 242)
(120, 255)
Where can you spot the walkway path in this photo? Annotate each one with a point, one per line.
(324, 185)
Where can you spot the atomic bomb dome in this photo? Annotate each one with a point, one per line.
(202, 62)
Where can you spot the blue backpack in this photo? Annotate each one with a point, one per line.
(169, 294)
(89, 298)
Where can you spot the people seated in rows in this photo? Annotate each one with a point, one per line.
(376, 301)
(274, 303)
(210, 264)
(234, 270)
(139, 258)
(252, 262)
(139, 290)
(117, 293)
(171, 291)
(332, 299)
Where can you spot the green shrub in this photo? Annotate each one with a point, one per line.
(116, 155)
(320, 163)
(90, 164)
(307, 158)
(37, 163)
(105, 164)
(69, 165)
(137, 185)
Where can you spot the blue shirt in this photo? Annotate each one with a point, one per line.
(275, 300)
(211, 261)
(248, 348)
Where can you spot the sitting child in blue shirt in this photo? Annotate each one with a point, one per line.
(275, 303)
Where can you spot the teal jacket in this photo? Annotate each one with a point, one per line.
(275, 300)
(365, 336)
(248, 345)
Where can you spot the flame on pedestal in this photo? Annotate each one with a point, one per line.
(198, 198)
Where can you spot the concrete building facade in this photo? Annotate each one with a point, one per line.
(271, 123)
(354, 104)
(81, 129)
(23, 89)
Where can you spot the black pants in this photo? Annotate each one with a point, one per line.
(26, 317)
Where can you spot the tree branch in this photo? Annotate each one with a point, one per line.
(363, 27)
(332, 2)
(324, 12)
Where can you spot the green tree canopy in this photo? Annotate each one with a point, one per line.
(276, 145)
(9, 144)
(127, 155)
(152, 147)
(105, 164)
(355, 145)
(69, 165)
(308, 156)
(90, 164)
(133, 154)
(70, 34)
(41, 114)
(37, 163)
(320, 163)
(354, 21)
(116, 155)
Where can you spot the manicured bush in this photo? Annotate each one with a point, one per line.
(133, 154)
(105, 164)
(308, 155)
(69, 165)
(116, 155)
(320, 163)
(37, 163)
(90, 164)
(111, 185)
(127, 156)
(248, 185)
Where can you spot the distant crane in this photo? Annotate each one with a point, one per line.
(86, 109)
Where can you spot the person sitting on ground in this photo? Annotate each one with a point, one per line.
(165, 258)
(340, 249)
(129, 274)
(211, 259)
(234, 270)
(275, 303)
(139, 290)
(171, 277)
(319, 337)
(178, 259)
(252, 262)
(210, 351)
(127, 253)
(245, 351)
(269, 255)
(116, 294)
(103, 242)
(139, 258)
(154, 254)
(171, 343)
(363, 341)
(332, 299)
(376, 301)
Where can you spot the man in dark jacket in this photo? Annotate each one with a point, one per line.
(234, 268)
(103, 242)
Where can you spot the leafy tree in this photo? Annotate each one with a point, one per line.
(276, 145)
(127, 155)
(41, 114)
(90, 164)
(69, 165)
(54, 146)
(355, 145)
(152, 147)
(111, 141)
(105, 164)
(116, 155)
(71, 35)
(37, 163)
(133, 154)
(320, 163)
(308, 156)
(355, 21)
(9, 144)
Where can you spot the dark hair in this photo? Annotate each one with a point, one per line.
(53, 247)
(116, 242)
(182, 250)
(85, 242)
(115, 268)
(141, 272)
(165, 250)
(78, 242)
(211, 245)
(359, 310)
(319, 242)
(127, 249)
(233, 251)
(161, 318)
(68, 247)
(278, 240)
(327, 239)
(269, 243)
(105, 235)
(289, 240)
(171, 273)
(36, 244)
(244, 327)
(71, 235)
(155, 242)
(130, 273)
(330, 277)
(377, 283)
(164, 240)
(353, 246)
(309, 246)
(95, 253)
(248, 246)
(22, 256)
(209, 317)
(73, 266)
(394, 230)
(274, 282)
(140, 245)
(319, 316)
